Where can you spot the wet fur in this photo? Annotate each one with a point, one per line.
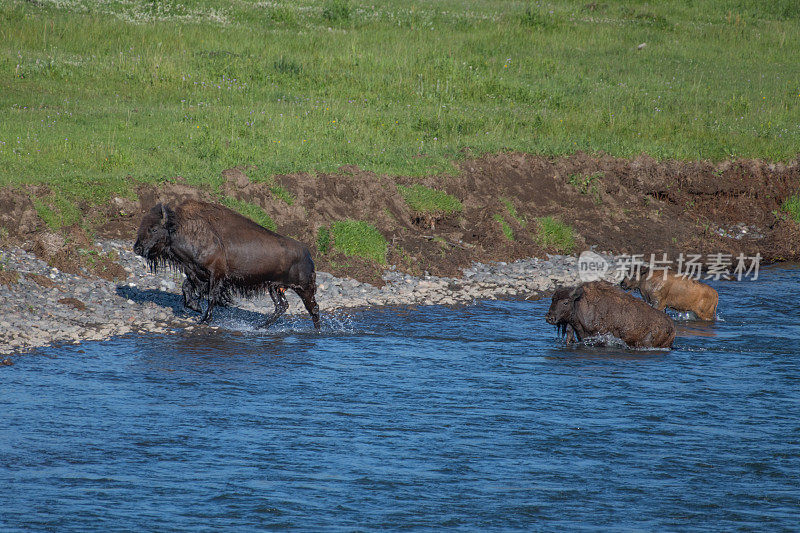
(600, 308)
(224, 254)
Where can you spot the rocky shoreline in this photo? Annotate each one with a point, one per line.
(624, 206)
(44, 306)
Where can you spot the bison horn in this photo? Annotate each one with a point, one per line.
(163, 215)
(577, 293)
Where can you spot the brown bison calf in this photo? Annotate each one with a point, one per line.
(676, 292)
(600, 308)
(222, 252)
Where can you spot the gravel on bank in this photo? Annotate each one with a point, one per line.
(46, 306)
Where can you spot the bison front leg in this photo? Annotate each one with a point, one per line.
(570, 334)
(310, 302)
(215, 296)
(281, 305)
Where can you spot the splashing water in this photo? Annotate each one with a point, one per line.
(234, 320)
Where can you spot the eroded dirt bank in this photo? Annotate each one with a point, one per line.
(617, 205)
(49, 279)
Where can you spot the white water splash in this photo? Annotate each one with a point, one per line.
(334, 323)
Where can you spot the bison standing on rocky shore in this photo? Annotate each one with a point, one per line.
(221, 252)
(676, 292)
(600, 308)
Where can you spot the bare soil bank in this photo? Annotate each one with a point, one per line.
(618, 205)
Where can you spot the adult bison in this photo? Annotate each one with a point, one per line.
(681, 293)
(221, 252)
(600, 308)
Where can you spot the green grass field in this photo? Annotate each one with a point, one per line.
(96, 95)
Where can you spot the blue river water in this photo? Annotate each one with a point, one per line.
(428, 418)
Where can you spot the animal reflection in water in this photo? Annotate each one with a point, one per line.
(222, 252)
(696, 330)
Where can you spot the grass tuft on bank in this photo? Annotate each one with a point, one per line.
(426, 200)
(512, 212)
(323, 240)
(251, 211)
(57, 211)
(359, 238)
(508, 233)
(792, 206)
(556, 235)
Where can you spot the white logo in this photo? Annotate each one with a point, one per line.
(592, 266)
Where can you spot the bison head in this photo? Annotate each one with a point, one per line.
(563, 305)
(635, 278)
(153, 238)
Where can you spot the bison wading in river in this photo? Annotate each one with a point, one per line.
(666, 289)
(221, 252)
(600, 308)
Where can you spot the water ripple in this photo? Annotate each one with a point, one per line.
(475, 417)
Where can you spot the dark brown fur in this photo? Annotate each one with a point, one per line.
(222, 252)
(600, 308)
(676, 292)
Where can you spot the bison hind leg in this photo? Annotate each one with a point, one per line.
(707, 312)
(310, 303)
(191, 296)
(281, 305)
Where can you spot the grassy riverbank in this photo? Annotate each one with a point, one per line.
(99, 95)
